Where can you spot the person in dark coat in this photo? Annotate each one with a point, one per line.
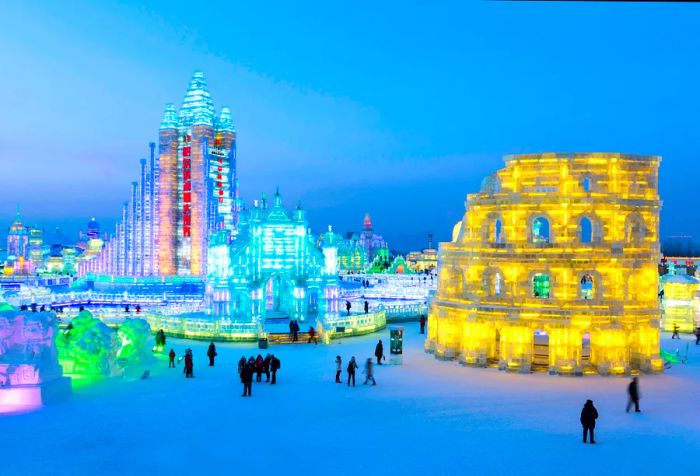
(366, 307)
(291, 330)
(633, 392)
(247, 380)
(697, 335)
(675, 332)
(312, 335)
(348, 306)
(422, 323)
(189, 364)
(352, 367)
(259, 363)
(379, 352)
(296, 331)
(588, 417)
(211, 353)
(266, 367)
(241, 365)
(171, 355)
(275, 365)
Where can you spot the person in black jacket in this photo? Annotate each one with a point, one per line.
(588, 417)
(211, 353)
(266, 367)
(275, 365)
(352, 366)
(247, 380)
(379, 352)
(633, 391)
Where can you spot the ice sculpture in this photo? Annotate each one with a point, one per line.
(89, 347)
(30, 374)
(133, 335)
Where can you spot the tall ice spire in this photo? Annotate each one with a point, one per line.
(169, 117)
(197, 106)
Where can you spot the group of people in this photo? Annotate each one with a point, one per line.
(352, 369)
(589, 414)
(352, 366)
(677, 329)
(294, 330)
(258, 366)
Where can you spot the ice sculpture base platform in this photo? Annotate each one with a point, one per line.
(23, 398)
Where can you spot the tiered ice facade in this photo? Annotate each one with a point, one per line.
(273, 269)
(185, 194)
(562, 246)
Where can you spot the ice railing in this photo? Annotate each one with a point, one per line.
(354, 323)
(194, 328)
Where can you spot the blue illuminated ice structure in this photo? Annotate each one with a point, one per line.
(273, 269)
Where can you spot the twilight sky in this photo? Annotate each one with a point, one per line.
(395, 108)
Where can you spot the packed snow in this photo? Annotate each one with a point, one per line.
(423, 417)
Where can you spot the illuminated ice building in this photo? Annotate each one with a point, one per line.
(185, 194)
(554, 265)
(273, 268)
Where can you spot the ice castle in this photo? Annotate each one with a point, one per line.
(273, 269)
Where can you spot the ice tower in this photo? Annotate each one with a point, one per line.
(197, 189)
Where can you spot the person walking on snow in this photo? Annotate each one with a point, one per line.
(379, 352)
(259, 363)
(348, 306)
(171, 355)
(588, 417)
(422, 323)
(247, 380)
(369, 374)
(338, 368)
(266, 367)
(211, 353)
(312, 335)
(275, 365)
(189, 364)
(633, 391)
(675, 332)
(352, 366)
(366, 307)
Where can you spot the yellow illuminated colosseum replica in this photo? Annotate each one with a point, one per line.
(554, 266)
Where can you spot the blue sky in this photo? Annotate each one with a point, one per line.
(395, 108)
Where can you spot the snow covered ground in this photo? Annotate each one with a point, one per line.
(424, 417)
